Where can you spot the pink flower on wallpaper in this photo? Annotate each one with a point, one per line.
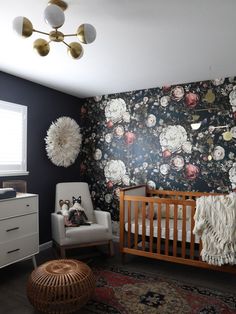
(83, 110)
(129, 138)
(166, 88)
(109, 124)
(191, 100)
(191, 171)
(109, 184)
(166, 153)
(82, 168)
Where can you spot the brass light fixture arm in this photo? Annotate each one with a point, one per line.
(36, 31)
(68, 35)
(66, 44)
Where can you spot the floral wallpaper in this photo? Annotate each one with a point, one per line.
(179, 137)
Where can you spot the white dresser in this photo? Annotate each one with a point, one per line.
(19, 235)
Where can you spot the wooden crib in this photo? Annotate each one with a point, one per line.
(158, 224)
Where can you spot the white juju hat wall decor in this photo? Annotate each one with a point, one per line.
(63, 141)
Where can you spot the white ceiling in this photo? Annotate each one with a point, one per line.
(139, 44)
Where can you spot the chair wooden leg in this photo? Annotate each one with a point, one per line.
(111, 248)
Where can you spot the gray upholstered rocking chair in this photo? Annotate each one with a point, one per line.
(98, 233)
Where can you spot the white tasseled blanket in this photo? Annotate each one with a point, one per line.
(215, 223)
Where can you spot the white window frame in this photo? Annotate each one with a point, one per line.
(18, 168)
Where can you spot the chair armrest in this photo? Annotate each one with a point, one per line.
(103, 218)
(58, 227)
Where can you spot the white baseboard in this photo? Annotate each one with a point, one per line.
(45, 246)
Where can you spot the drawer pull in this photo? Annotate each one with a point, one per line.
(12, 251)
(27, 205)
(12, 229)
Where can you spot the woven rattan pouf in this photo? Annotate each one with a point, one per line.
(60, 286)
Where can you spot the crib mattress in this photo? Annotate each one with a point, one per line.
(163, 229)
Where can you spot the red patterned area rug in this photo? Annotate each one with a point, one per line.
(121, 291)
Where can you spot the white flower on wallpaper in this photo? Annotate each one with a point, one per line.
(108, 137)
(232, 99)
(218, 153)
(115, 110)
(151, 185)
(97, 98)
(218, 81)
(173, 137)
(164, 169)
(164, 101)
(151, 120)
(145, 165)
(119, 131)
(126, 117)
(97, 154)
(126, 180)
(187, 147)
(178, 162)
(108, 198)
(178, 93)
(232, 176)
(115, 171)
(233, 131)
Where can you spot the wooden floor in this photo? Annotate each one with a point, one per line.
(13, 278)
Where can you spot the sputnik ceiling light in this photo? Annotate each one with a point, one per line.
(54, 16)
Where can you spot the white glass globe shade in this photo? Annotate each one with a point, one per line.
(22, 26)
(54, 16)
(18, 25)
(90, 33)
(86, 33)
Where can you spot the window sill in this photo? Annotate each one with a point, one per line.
(14, 173)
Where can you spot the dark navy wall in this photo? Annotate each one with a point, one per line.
(44, 106)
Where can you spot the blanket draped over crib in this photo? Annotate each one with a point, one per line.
(215, 223)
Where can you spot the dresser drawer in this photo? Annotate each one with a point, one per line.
(16, 250)
(17, 227)
(18, 206)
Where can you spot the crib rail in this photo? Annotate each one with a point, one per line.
(158, 224)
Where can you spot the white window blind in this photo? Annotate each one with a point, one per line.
(13, 139)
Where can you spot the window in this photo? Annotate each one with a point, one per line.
(13, 139)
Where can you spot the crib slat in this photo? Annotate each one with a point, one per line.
(122, 219)
(159, 229)
(151, 227)
(183, 242)
(129, 224)
(167, 235)
(143, 225)
(175, 231)
(192, 241)
(136, 225)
